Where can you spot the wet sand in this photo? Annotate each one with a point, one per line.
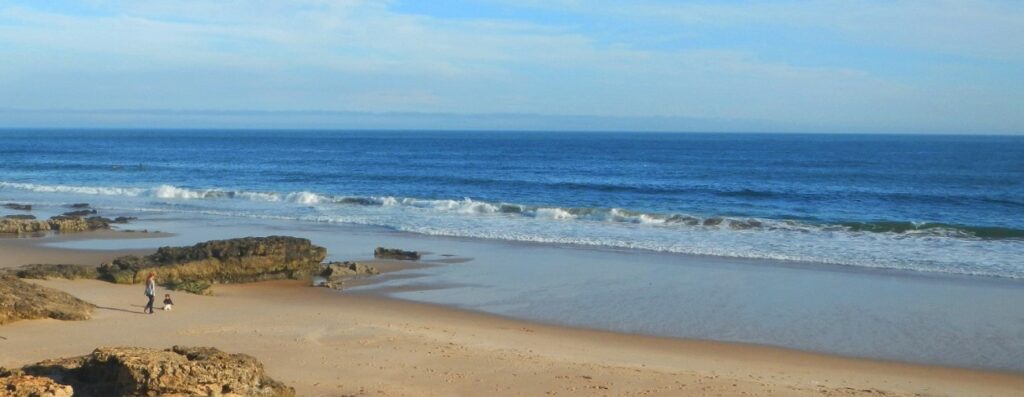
(327, 343)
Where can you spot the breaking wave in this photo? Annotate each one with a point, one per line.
(469, 206)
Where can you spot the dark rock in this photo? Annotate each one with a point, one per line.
(79, 205)
(221, 261)
(123, 219)
(179, 371)
(20, 217)
(20, 300)
(47, 271)
(79, 213)
(19, 207)
(394, 253)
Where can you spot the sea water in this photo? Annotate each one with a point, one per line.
(896, 247)
(944, 204)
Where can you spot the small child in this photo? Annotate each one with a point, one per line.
(168, 304)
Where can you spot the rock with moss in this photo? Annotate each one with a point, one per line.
(221, 261)
(48, 271)
(20, 300)
(394, 253)
(23, 226)
(178, 371)
(25, 217)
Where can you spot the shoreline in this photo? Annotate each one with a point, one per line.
(489, 348)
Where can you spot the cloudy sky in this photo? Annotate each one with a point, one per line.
(937, 66)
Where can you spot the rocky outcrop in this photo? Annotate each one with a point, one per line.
(179, 371)
(20, 300)
(80, 213)
(335, 274)
(78, 205)
(23, 226)
(48, 271)
(22, 217)
(61, 223)
(221, 261)
(394, 253)
(19, 385)
(19, 207)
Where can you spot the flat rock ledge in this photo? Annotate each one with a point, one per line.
(395, 253)
(195, 269)
(136, 371)
(334, 274)
(20, 300)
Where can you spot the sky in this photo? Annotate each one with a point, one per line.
(892, 66)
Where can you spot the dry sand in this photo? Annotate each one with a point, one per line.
(326, 343)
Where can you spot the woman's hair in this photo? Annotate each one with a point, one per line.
(152, 274)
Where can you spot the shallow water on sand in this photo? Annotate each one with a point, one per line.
(905, 316)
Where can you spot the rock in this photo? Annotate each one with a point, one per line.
(80, 213)
(336, 273)
(747, 224)
(221, 261)
(19, 207)
(20, 300)
(47, 271)
(79, 205)
(32, 386)
(179, 371)
(21, 217)
(23, 226)
(394, 253)
(68, 224)
(64, 224)
(123, 219)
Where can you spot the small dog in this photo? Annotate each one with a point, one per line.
(168, 304)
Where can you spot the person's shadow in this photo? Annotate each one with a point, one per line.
(121, 310)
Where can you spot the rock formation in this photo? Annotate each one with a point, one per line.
(32, 386)
(239, 260)
(19, 216)
(79, 205)
(59, 223)
(19, 207)
(135, 371)
(47, 271)
(20, 300)
(80, 213)
(336, 273)
(394, 253)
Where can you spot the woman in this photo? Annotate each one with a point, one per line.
(150, 292)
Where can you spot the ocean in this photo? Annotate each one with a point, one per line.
(936, 204)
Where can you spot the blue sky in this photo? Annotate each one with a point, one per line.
(938, 66)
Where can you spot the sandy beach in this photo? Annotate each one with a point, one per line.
(326, 343)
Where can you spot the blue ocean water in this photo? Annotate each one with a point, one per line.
(946, 204)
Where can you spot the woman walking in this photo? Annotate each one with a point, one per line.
(150, 292)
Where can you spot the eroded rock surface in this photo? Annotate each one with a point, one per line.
(32, 386)
(47, 271)
(336, 273)
(179, 371)
(220, 261)
(20, 300)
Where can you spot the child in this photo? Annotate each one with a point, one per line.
(168, 304)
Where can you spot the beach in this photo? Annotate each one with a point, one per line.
(327, 343)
